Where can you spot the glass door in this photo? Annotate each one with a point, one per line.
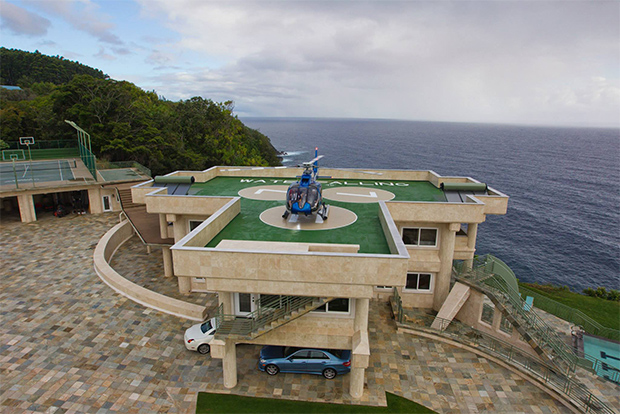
(245, 303)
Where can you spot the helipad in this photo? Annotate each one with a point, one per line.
(353, 217)
(338, 217)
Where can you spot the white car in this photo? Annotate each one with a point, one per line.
(197, 337)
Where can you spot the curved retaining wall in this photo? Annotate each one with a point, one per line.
(523, 374)
(107, 246)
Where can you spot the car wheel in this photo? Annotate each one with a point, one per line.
(329, 373)
(272, 369)
(204, 349)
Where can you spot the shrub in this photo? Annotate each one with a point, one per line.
(589, 292)
(601, 292)
(614, 295)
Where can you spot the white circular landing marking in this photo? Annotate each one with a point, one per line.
(265, 192)
(357, 194)
(338, 217)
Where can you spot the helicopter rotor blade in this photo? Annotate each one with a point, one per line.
(312, 161)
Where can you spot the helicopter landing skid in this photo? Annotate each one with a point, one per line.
(324, 212)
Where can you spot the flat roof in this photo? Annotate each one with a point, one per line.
(366, 231)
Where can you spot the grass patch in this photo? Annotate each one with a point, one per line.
(228, 403)
(605, 312)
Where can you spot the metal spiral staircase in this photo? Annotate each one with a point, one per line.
(486, 276)
(271, 314)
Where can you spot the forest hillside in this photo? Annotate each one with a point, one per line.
(125, 122)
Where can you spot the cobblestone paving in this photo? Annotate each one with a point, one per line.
(68, 343)
(147, 269)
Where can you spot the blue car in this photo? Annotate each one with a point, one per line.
(329, 363)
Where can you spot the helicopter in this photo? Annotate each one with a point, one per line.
(305, 195)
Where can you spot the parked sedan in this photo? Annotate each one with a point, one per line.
(197, 337)
(329, 363)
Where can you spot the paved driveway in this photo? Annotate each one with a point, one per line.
(68, 343)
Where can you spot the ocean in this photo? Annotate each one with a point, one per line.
(563, 220)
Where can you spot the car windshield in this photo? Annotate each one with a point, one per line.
(206, 327)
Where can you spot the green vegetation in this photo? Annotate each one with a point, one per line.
(603, 311)
(24, 69)
(125, 122)
(226, 403)
(602, 293)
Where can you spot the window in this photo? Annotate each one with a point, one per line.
(106, 203)
(206, 327)
(318, 355)
(301, 355)
(384, 287)
(193, 224)
(340, 305)
(419, 281)
(488, 309)
(505, 326)
(420, 237)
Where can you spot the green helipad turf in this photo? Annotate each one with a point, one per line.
(366, 231)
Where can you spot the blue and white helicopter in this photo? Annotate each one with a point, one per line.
(305, 196)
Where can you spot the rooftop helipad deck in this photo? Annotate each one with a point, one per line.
(359, 199)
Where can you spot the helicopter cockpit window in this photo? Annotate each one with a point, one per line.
(293, 195)
(303, 196)
(313, 195)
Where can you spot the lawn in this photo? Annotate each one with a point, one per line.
(227, 403)
(605, 312)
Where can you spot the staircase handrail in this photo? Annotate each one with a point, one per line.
(496, 287)
(545, 334)
(571, 314)
(577, 392)
(266, 312)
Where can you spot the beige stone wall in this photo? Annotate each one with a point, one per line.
(278, 272)
(95, 203)
(139, 192)
(214, 224)
(470, 315)
(429, 212)
(104, 251)
(462, 251)
(185, 205)
(417, 300)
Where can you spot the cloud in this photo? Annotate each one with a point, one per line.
(103, 55)
(21, 21)
(460, 61)
(83, 15)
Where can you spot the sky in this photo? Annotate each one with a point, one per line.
(517, 62)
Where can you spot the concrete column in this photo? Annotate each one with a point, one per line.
(185, 284)
(229, 364)
(225, 299)
(26, 208)
(497, 318)
(167, 261)
(163, 226)
(356, 385)
(148, 249)
(95, 203)
(472, 233)
(361, 314)
(360, 358)
(446, 254)
(180, 228)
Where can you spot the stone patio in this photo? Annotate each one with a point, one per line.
(69, 343)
